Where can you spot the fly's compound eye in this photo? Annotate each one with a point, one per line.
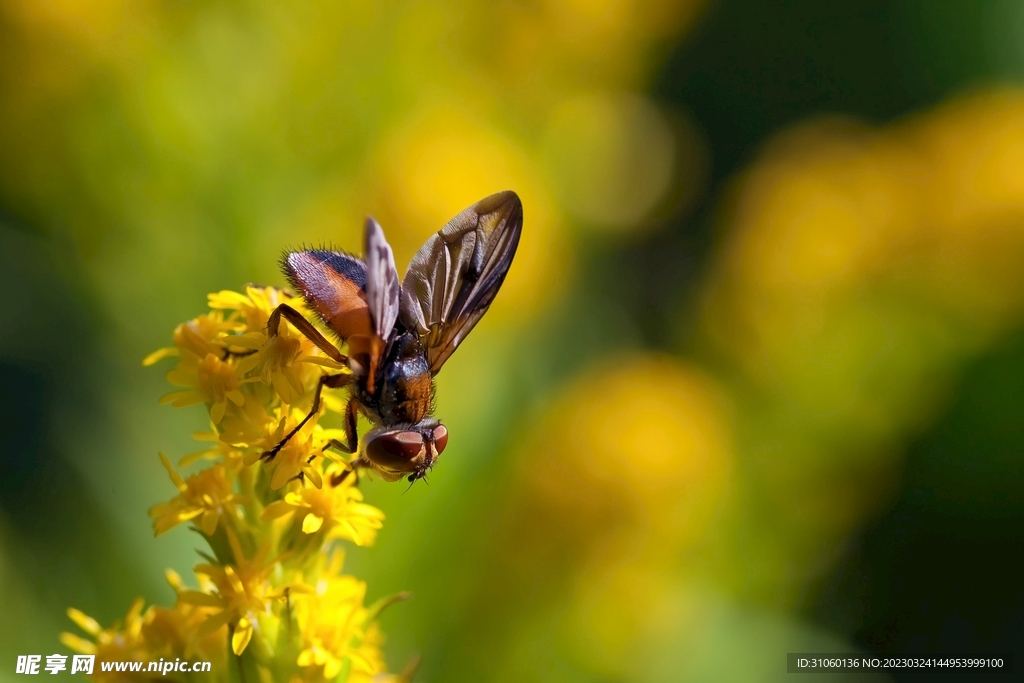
(440, 438)
(399, 451)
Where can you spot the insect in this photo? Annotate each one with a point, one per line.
(399, 335)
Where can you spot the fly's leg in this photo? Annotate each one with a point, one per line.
(228, 353)
(329, 381)
(306, 329)
(352, 436)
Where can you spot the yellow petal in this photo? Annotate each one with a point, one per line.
(236, 397)
(217, 411)
(279, 508)
(84, 621)
(294, 381)
(236, 583)
(313, 475)
(196, 456)
(179, 483)
(311, 524)
(353, 533)
(80, 645)
(241, 636)
(360, 663)
(135, 610)
(245, 365)
(209, 522)
(282, 387)
(282, 475)
(253, 341)
(165, 523)
(365, 510)
(295, 498)
(159, 355)
(321, 361)
(226, 299)
(213, 623)
(183, 376)
(332, 668)
(174, 579)
(180, 399)
(189, 513)
(200, 599)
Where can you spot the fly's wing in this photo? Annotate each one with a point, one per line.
(454, 277)
(382, 288)
(382, 295)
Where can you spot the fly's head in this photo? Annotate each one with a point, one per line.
(405, 450)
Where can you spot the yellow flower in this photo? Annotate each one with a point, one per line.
(212, 381)
(117, 643)
(243, 593)
(369, 651)
(231, 456)
(197, 338)
(275, 361)
(334, 628)
(301, 455)
(257, 606)
(208, 495)
(284, 361)
(337, 511)
(247, 425)
(175, 631)
(255, 306)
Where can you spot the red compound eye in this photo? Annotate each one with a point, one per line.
(396, 450)
(440, 438)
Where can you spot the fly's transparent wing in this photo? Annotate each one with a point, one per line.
(382, 288)
(383, 293)
(455, 276)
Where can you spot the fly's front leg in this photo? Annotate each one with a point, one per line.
(329, 381)
(306, 329)
(351, 435)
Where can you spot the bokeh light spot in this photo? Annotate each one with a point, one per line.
(441, 162)
(611, 159)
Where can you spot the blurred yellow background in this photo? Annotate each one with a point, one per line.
(753, 383)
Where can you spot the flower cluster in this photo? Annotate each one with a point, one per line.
(271, 602)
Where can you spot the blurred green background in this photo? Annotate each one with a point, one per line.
(753, 385)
